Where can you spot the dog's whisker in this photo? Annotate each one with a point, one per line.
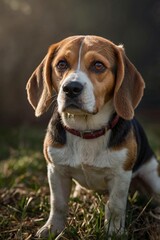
(54, 101)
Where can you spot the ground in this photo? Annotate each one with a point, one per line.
(24, 194)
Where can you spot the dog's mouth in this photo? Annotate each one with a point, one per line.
(76, 108)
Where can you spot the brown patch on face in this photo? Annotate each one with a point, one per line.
(131, 145)
(48, 141)
(101, 46)
(96, 49)
(104, 90)
(69, 51)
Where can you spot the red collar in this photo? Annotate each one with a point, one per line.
(91, 134)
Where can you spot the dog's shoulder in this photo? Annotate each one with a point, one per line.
(130, 135)
(55, 135)
(56, 129)
(119, 133)
(144, 151)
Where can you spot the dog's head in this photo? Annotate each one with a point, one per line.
(86, 72)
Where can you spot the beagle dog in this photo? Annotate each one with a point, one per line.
(93, 137)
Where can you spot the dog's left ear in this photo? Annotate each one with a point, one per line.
(39, 87)
(129, 86)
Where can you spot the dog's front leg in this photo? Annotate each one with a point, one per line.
(116, 206)
(60, 188)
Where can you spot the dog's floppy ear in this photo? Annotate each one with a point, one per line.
(39, 86)
(129, 86)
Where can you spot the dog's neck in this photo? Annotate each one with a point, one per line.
(89, 122)
(91, 134)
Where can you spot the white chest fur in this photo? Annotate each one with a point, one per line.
(89, 161)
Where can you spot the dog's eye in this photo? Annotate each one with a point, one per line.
(98, 67)
(62, 65)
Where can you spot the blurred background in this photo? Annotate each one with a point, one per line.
(28, 27)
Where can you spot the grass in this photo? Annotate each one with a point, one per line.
(24, 194)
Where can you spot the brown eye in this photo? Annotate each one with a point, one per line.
(98, 67)
(62, 65)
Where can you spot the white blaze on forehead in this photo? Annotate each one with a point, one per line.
(79, 57)
(90, 42)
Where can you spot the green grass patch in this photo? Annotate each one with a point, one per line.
(24, 194)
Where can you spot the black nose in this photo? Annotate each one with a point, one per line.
(73, 89)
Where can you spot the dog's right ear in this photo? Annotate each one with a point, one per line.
(39, 87)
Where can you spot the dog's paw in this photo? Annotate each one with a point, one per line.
(44, 232)
(48, 230)
(114, 228)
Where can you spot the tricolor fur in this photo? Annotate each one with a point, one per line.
(92, 81)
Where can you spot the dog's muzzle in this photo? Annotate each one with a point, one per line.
(72, 89)
(76, 95)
